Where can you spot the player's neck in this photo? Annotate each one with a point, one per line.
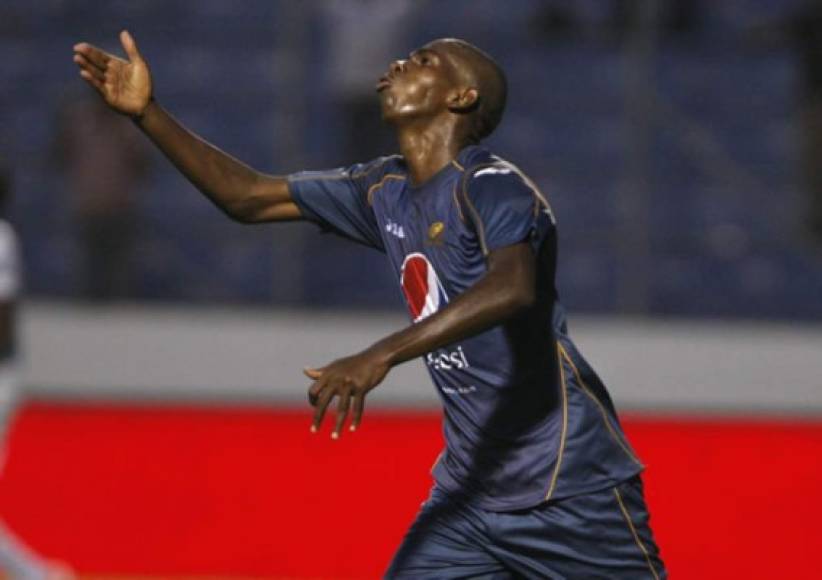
(428, 149)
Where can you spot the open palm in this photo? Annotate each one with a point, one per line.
(125, 85)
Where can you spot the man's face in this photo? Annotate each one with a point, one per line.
(417, 87)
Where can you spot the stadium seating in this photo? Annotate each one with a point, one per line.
(722, 195)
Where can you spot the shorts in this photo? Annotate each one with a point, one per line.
(599, 535)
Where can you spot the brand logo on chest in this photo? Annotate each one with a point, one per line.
(421, 286)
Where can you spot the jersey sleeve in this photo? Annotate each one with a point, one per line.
(337, 200)
(505, 208)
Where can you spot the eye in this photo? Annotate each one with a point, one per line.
(422, 59)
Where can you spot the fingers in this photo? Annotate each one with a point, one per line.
(90, 79)
(93, 54)
(130, 46)
(315, 389)
(86, 65)
(322, 393)
(344, 401)
(93, 64)
(343, 405)
(319, 412)
(313, 374)
(359, 407)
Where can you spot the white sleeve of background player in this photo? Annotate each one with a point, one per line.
(9, 263)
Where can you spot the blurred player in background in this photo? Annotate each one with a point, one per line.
(354, 57)
(103, 164)
(17, 561)
(801, 30)
(537, 479)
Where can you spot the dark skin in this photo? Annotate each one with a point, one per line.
(428, 99)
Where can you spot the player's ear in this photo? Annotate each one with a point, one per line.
(463, 100)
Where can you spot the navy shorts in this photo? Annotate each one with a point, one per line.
(600, 535)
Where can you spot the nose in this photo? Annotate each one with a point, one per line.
(397, 66)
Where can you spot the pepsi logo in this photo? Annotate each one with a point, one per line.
(421, 286)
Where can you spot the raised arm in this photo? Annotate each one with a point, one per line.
(508, 287)
(241, 192)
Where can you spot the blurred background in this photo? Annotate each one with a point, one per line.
(164, 433)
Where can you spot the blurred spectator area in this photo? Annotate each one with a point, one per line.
(667, 149)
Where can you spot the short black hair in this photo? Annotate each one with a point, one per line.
(492, 86)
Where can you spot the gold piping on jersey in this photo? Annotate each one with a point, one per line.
(639, 543)
(602, 410)
(456, 164)
(533, 186)
(564, 431)
(457, 203)
(539, 199)
(477, 221)
(474, 213)
(341, 175)
(388, 176)
(365, 172)
(322, 177)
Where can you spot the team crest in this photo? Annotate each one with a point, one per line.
(421, 286)
(435, 232)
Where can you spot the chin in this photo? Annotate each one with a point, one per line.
(389, 118)
(389, 114)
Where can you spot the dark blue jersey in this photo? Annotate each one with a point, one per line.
(526, 418)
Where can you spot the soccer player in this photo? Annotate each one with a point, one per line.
(17, 560)
(537, 479)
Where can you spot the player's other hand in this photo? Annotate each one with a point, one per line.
(349, 379)
(125, 85)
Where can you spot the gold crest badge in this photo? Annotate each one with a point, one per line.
(435, 231)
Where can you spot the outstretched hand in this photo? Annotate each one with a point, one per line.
(125, 85)
(349, 379)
